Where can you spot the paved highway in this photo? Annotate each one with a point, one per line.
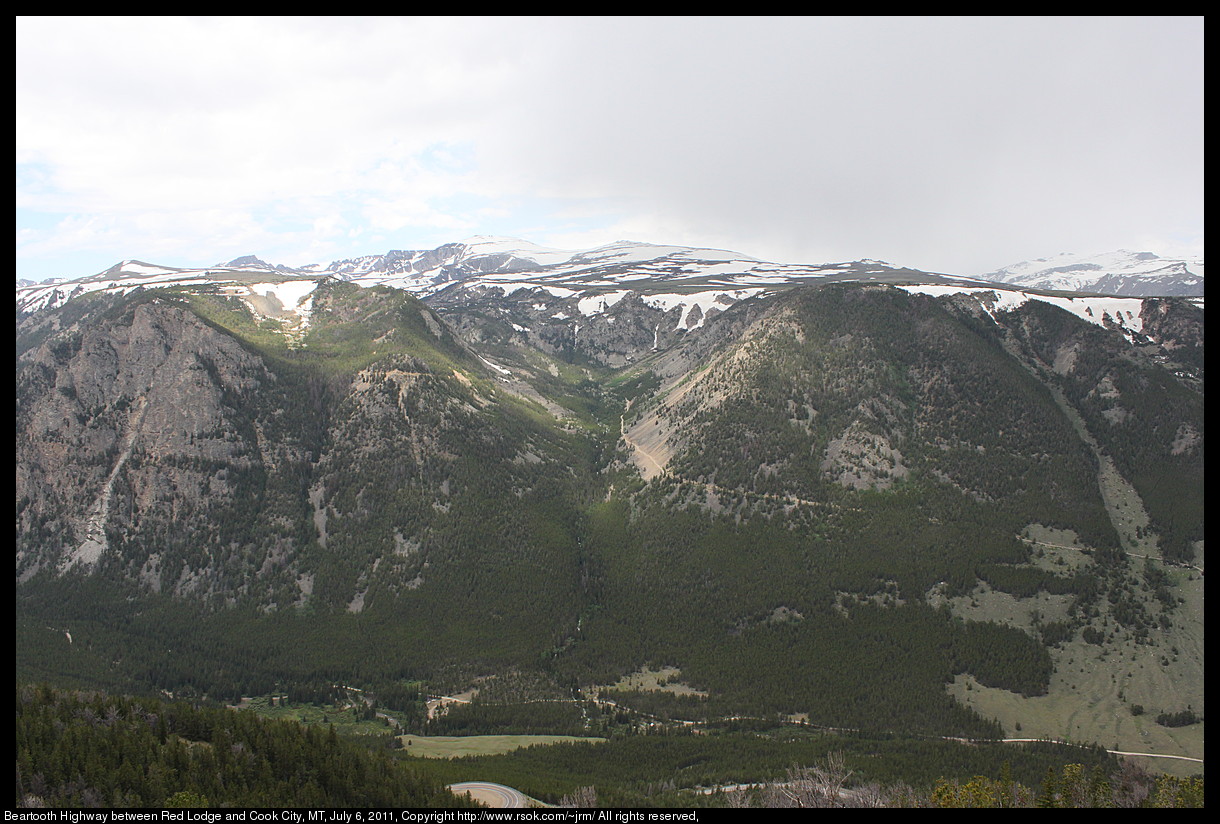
(493, 795)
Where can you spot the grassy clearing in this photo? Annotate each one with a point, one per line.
(663, 680)
(1053, 557)
(986, 604)
(1126, 510)
(347, 720)
(458, 746)
(1096, 692)
(1055, 550)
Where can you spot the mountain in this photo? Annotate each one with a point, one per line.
(498, 287)
(671, 275)
(1141, 274)
(505, 264)
(854, 494)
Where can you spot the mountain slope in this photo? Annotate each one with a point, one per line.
(787, 499)
(858, 454)
(1138, 274)
(172, 443)
(852, 387)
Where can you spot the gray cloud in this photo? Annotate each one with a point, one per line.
(943, 143)
(930, 139)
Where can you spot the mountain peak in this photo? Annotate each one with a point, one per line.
(245, 262)
(131, 266)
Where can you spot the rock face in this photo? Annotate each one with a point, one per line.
(146, 417)
(1173, 325)
(157, 445)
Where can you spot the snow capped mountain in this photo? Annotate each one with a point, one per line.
(251, 262)
(270, 291)
(423, 272)
(1136, 274)
(483, 245)
(562, 284)
(511, 264)
(674, 275)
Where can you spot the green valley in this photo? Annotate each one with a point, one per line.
(872, 511)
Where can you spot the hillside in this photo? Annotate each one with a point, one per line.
(808, 504)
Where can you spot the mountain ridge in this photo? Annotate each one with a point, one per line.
(422, 271)
(560, 285)
(298, 479)
(1122, 272)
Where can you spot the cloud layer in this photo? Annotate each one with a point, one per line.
(947, 144)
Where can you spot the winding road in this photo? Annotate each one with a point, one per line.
(493, 795)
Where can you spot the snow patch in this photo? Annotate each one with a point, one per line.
(289, 293)
(718, 299)
(495, 366)
(1103, 311)
(135, 267)
(596, 304)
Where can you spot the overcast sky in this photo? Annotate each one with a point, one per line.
(945, 144)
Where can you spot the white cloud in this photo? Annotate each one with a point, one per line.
(944, 143)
